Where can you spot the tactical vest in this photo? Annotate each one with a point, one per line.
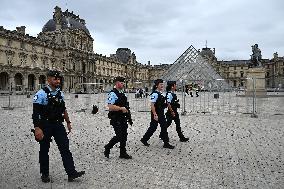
(121, 102)
(175, 102)
(54, 110)
(160, 104)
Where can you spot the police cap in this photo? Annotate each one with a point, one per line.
(53, 73)
(171, 83)
(157, 81)
(120, 79)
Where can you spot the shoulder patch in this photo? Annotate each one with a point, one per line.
(35, 97)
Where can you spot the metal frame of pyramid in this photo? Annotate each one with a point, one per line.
(191, 66)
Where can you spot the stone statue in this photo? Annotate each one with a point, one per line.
(57, 16)
(275, 56)
(256, 56)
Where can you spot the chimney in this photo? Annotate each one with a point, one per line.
(149, 63)
(21, 30)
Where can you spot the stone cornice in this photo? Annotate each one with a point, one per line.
(14, 35)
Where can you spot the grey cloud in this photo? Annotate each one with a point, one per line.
(161, 30)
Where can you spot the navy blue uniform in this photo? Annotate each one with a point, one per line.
(48, 111)
(118, 120)
(174, 102)
(160, 104)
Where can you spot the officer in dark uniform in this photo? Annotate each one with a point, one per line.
(49, 112)
(118, 115)
(173, 105)
(158, 104)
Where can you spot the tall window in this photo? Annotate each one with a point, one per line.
(9, 42)
(22, 45)
(33, 48)
(74, 66)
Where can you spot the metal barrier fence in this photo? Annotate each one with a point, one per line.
(254, 99)
(217, 101)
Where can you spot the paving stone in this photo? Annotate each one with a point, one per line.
(224, 151)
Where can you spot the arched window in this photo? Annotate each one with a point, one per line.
(4, 81)
(18, 82)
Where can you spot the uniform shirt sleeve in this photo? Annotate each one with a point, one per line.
(111, 98)
(39, 101)
(62, 95)
(40, 98)
(169, 97)
(154, 97)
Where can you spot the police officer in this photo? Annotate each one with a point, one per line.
(158, 104)
(49, 112)
(118, 115)
(173, 105)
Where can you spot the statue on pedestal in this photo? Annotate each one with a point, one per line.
(275, 56)
(256, 56)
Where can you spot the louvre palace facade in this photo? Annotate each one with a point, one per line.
(235, 71)
(65, 44)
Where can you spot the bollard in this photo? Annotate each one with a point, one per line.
(216, 95)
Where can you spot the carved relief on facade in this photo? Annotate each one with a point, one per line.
(63, 65)
(52, 62)
(9, 55)
(44, 61)
(23, 59)
(34, 59)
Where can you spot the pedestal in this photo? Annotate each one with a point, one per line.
(256, 82)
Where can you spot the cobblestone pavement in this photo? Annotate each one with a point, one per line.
(224, 151)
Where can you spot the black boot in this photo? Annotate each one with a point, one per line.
(107, 151)
(168, 145)
(145, 142)
(45, 178)
(75, 175)
(123, 154)
(183, 139)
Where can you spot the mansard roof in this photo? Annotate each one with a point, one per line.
(67, 23)
(69, 20)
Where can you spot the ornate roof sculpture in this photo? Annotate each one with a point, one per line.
(65, 20)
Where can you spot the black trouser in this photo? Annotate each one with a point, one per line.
(153, 127)
(176, 119)
(120, 128)
(58, 131)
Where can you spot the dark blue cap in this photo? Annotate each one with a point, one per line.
(53, 73)
(157, 81)
(120, 79)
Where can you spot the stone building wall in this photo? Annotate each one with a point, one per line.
(64, 44)
(235, 71)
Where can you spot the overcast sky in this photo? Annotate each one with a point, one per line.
(161, 30)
